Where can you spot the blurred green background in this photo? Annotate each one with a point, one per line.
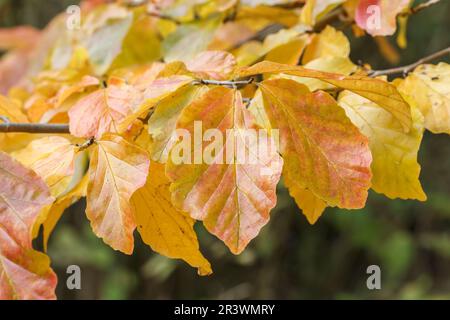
(290, 259)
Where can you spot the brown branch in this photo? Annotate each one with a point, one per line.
(34, 127)
(419, 8)
(229, 84)
(406, 69)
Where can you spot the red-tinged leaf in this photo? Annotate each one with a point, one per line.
(232, 197)
(101, 111)
(24, 273)
(117, 169)
(381, 92)
(323, 151)
(216, 65)
(379, 17)
(18, 37)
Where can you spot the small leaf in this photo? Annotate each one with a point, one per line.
(117, 169)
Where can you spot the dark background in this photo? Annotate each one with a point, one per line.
(290, 259)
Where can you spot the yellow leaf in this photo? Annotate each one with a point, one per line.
(154, 93)
(55, 212)
(328, 43)
(337, 65)
(311, 205)
(117, 169)
(163, 122)
(395, 168)
(52, 159)
(429, 87)
(163, 227)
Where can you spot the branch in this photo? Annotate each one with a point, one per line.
(406, 69)
(419, 8)
(229, 84)
(34, 127)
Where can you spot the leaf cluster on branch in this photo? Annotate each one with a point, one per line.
(105, 110)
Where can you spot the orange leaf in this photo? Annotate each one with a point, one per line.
(117, 169)
(233, 198)
(323, 151)
(102, 110)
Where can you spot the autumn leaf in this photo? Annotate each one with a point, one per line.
(52, 159)
(311, 205)
(63, 202)
(163, 122)
(379, 17)
(107, 28)
(154, 93)
(376, 90)
(429, 87)
(190, 39)
(24, 273)
(322, 150)
(328, 43)
(216, 65)
(103, 110)
(233, 198)
(117, 169)
(12, 112)
(395, 168)
(164, 228)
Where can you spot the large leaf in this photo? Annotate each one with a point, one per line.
(163, 227)
(232, 197)
(117, 169)
(394, 167)
(24, 273)
(322, 150)
(103, 110)
(429, 87)
(376, 90)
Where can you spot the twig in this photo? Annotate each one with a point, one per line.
(406, 69)
(86, 144)
(34, 127)
(419, 8)
(229, 84)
